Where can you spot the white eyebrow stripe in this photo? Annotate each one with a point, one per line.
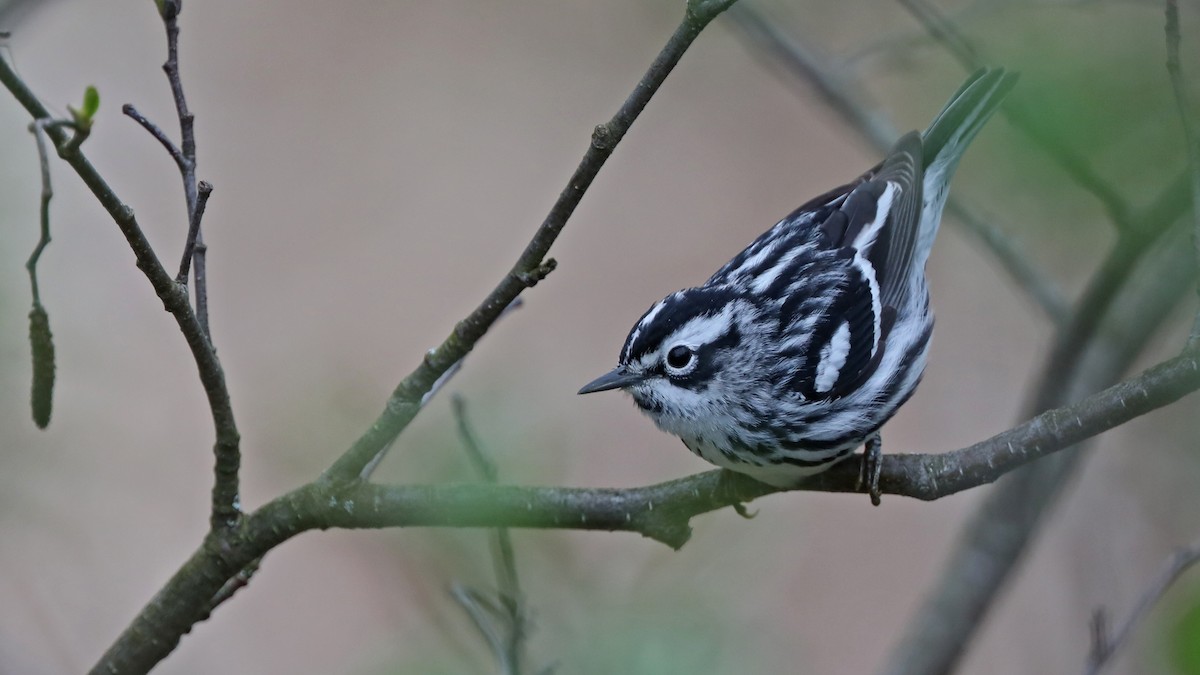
(703, 329)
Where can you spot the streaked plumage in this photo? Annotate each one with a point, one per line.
(799, 349)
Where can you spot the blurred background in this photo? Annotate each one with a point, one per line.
(378, 166)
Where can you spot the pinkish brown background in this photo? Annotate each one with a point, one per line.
(378, 166)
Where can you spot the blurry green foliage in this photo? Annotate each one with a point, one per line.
(1184, 638)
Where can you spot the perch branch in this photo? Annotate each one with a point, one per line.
(661, 512)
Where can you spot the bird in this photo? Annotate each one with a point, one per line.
(795, 352)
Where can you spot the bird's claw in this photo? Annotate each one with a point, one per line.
(871, 467)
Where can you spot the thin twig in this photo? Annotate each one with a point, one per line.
(194, 245)
(157, 132)
(184, 155)
(532, 265)
(1190, 139)
(204, 190)
(946, 33)
(1106, 644)
(484, 614)
(169, 10)
(799, 63)
(479, 460)
(511, 599)
(225, 492)
(37, 128)
(200, 279)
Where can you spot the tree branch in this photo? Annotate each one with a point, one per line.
(158, 134)
(661, 512)
(1190, 138)
(1131, 245)
(225, 508)
(173, 296)
(505, 625)
(1107, 644)
(532, 264)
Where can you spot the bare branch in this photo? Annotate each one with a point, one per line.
(532, 265)
(173, 296)
(504, 625)
(37, 128)
(193, 238)
(1131, 245)
(226, 508)
(798, 62)
(512, 601)
(1190, 139)
(158, 134)
(1106, 644)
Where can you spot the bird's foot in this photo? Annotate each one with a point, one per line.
(872, 465)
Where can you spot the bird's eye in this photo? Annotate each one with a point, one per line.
(680, 357)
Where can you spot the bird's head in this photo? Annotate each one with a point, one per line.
(687, 355)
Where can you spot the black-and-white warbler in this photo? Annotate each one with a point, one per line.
(799, 349)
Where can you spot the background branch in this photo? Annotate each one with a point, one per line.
(1191, 141)
(508, 611)
(1107, 644)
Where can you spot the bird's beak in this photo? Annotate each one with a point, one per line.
(614, 379)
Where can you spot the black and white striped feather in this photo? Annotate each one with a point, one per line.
(807, 341)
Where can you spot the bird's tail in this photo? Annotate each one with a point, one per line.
(947, 138)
